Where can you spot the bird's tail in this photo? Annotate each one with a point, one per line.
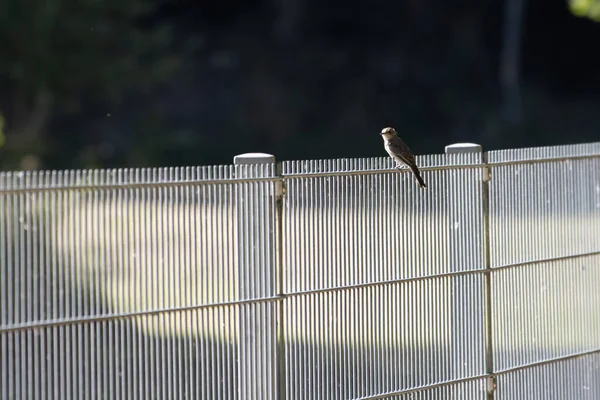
(417, 174)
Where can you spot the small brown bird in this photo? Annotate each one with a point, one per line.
(400, 152)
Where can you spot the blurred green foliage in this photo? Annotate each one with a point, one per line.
(586, 8)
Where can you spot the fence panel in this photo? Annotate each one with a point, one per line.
(137, 284)
(576, 378)
(545, 251)
(383, 280)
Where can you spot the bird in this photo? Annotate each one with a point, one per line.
(400, 152)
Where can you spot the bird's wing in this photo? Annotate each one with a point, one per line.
(398, 147)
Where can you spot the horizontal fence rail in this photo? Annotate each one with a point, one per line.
(324, 279)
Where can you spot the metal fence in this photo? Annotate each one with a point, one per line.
(329, 279)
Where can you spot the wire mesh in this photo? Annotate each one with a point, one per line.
(575, 378)
(545, 240)
(544, 203)
(537, 314)
(137, 284)
(201, 283)
(376, 297)
(470, 390)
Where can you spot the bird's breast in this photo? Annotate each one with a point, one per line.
(389, 149)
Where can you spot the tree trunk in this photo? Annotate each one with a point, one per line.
(29, 121)
(510, 61)
(289, 17)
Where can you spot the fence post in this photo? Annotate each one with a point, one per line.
(256, 204)
(465, 148)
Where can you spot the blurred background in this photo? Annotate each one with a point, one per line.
(130, 83)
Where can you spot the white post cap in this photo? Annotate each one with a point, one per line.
(457, 148)
(253, 158)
